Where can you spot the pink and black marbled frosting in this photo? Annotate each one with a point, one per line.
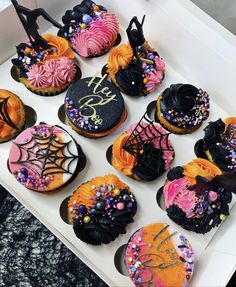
(90, 29)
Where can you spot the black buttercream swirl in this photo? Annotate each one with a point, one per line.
(208, 221)
(182, 99)
(102, 229)
(23, 69)
(130, 79)
(175, 173)
(150, 163)
(213, 136)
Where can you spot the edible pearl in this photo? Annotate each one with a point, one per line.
(117, 192)
(86, 219)
(83, 26)
(100, 205)
(96, 8)
(82, 208)
(120, 206)
(222, 217)
(126, 197)
(86, 19)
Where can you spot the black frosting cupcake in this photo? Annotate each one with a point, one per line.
(182, 108)
(101, 209)
(219, 144)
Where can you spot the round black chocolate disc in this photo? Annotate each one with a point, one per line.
(94, 105)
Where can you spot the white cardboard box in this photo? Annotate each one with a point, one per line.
(197, 50)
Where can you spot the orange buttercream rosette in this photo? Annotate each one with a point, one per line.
(230, 121)
(119, 58)
(200, 167)
(121, 159)
(61, 46)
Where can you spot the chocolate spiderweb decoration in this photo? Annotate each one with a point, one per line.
(144, 133)
(4, 116)
(46, 155)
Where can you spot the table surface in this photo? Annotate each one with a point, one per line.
(214, 251)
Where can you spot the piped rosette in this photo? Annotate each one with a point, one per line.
(144, 151)
(90, 29)
(158, 255)
(197, 195)
(101, 209)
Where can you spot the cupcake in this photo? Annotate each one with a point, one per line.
(12, 115)
(101, 209)
(94, 107)
(143, 152)
(182, 108)
(45, 158)
(219, 144)
(197, 195)
(135, 68)
(90, 29)
(158, 255)
(46, 72)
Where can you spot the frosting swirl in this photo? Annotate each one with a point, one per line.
(184, 105)
(37, 77)
(219, 144)
(121, 159)
(200, 167)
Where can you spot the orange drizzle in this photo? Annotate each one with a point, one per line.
(201, 167)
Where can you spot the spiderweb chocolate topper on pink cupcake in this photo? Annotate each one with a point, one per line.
(90, 29)
(144, 151)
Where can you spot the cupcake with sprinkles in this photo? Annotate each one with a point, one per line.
(219, 144)
(182, 108)
(45, 158)
(158, 255)
(45, 64)
(90, 29)
(144, 151)
(197, 195)
(101, 209)
(136, 68)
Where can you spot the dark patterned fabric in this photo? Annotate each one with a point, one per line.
(31, 256)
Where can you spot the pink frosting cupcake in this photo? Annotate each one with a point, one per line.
(90, 29)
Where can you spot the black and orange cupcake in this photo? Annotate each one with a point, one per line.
(94, 107)
(101, 209)
(135, 68)
(219, 144)
(197, 195)
(182, 108)
(12, 115)
(143, 152)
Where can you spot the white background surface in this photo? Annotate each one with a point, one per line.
(201, 54)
